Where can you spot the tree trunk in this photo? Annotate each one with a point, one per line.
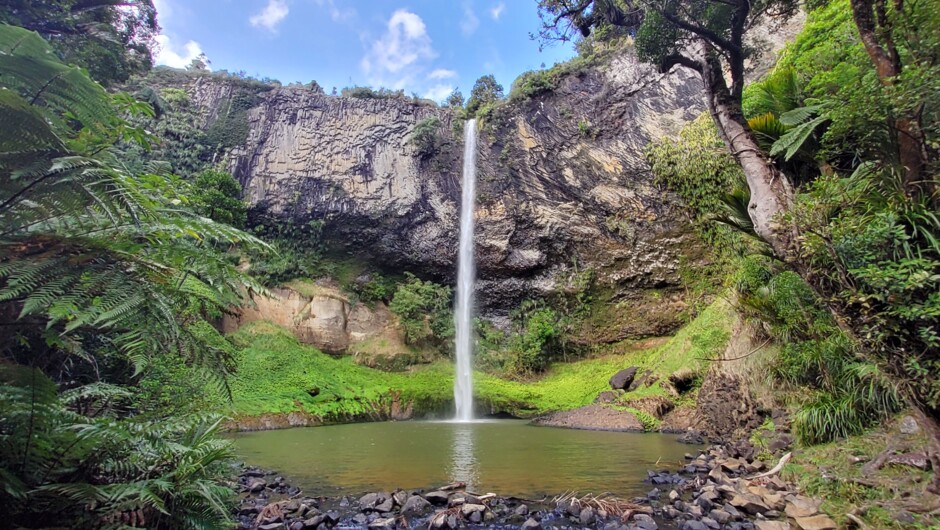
(771, 192)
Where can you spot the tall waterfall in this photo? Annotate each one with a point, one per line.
(466, 274)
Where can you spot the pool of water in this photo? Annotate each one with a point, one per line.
(506, 457)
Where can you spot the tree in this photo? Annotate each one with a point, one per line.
(200, 63)
(484, 92)
(112, 39)
(216, 194)
(706, 36)
(879, 26)
(454, 100)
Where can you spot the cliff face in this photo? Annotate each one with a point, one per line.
(563, 185)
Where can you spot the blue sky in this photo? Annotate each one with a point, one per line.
(428, 47)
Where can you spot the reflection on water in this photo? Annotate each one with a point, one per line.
(463, 464)
(506, 457)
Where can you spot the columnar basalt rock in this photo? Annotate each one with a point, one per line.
(563, 183)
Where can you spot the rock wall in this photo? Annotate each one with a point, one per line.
(563, 184)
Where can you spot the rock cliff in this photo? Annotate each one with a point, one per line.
(563, 185)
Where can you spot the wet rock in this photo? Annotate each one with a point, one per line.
(383, 524)
(332, 517)
(437, 497)
(272, 526)
(531, 524)
(816, 522)
(314, 521)
(370, 500)
(521, 510)
(654, 494)
(693, 525)
(400, 497)
(361, 519)
(415, 505)
(622, 379)
(692, 437)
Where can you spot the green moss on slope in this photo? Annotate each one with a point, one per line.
(277, 374)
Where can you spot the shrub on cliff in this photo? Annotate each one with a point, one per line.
(424, 311)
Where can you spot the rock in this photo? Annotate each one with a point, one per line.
(521, 510)
(654, 494)
(798, 506)
(255, 485)
(781, 442)
(400, 497)
(314, 521)
(361, 519)
(918, 460)
(437, 497)
(693, 525)
(467, 509)
(720, 516)
(673, 496)
(692, 437)
(272, 526)
(370, 501)
(332, 517)
(749, 503)
(772, 525)
(383, 524)
(622, 379)
(531, 524)
(711, 523)
(587, 516)
(909, 425)
(573, 509)
(385, 506)
(415, 505)
(475, 517)
(816, 522)
(297, 525)
(645, 522)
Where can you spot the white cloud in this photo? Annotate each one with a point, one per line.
(442, 73)
(164, 10)
(404, 43)
(469, 22)
(271, 15)
(166, 54)
(497, 10)
(337, 14)
(438, 92)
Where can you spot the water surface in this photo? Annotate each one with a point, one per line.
(506, 457)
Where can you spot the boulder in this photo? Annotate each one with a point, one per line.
(370, 500)
(415, 505)
(383, 524)
(798, 506)
(749, 503)
(909, 425)
(816, 522)
(622, 379)
(437, 497)
(692, 437)
(385, 506)
(918, 460)
(521, 510)
(468, 509)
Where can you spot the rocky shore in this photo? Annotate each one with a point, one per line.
(722, 488)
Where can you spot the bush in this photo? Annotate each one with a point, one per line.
(424, 311)
(426, 137)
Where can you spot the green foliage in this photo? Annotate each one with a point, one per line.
(424, 311)
(426, 137)
(61, 468)
(485, 91)
(297, 252)
(537, 339)
(215, 194)
(230, 128)
(377, 288)
(108, 39)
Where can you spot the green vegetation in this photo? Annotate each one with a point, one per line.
(109, 281)
(426, 137)
(215, 194)
(485, 93)
(277, 374)
(424, 311)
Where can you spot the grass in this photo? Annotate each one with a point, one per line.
(834, 472)
(277, 374)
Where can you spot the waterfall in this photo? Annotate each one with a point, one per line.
(466, 274)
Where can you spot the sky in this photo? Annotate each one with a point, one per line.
(427, 47)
